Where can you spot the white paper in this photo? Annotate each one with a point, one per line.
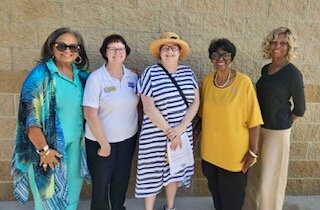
(181, 157)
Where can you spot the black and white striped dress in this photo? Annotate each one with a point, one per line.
(153, 170)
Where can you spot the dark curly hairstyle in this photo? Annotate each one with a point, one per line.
(223, 44)
(47, 47)
(111, 39)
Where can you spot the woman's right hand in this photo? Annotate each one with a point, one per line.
(104, 150)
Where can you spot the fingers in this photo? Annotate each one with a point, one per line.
(50, 159)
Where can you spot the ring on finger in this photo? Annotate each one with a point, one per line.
(45, 165)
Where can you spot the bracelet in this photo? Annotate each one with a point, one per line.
(44, 149)
(253, 154)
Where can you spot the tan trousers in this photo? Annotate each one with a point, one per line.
(267, 180)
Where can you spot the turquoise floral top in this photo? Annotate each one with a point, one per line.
(37, 108)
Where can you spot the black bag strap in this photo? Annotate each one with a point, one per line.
(176, 84)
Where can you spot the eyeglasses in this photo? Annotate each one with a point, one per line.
(224, 55)
(63, 46)
(166, 48)
(282, 44)
(114, 50)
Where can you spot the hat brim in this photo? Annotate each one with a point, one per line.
(156, 44)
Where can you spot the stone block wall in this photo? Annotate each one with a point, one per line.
(25, 24)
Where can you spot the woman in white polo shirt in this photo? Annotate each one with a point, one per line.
(110, 108)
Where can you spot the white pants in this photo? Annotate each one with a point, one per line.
(267, 180)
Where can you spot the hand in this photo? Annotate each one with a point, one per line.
(248, 161)
(175, 133)
(176, 143)
(104, 150)
(50, 159)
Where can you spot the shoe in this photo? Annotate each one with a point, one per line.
(165, 208)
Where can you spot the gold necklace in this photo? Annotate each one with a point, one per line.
(226, 82)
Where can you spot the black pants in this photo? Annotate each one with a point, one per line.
(227, 188)
(110, 175)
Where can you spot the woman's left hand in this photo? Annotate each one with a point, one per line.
(50, 159)
(248, 160)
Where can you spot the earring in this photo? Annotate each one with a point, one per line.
(79, 60)
(52, 57)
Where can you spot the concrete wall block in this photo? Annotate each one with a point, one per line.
(311, 186)
(305, 132)
(7, 105)
(25, 59)
(11, 81)
(314, 10)
(311, 54)
(125, 3)
(37, 12)
(311, 91)
(304, 169)
(88, 15)
(6, 191)
(7, 127)
(15, 35)
(294, 186)
(247, 8)
(5, 167)
(298, 150)
(311, 75)
(306, 31)
(292, 10)
(6, 59)
(136, 20)
(181, 23)
(314, 151)
(5, 10)
(6, 148)
(223, 26)
(204, 6)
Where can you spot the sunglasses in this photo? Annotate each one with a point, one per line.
(224, 55)
(60, 46)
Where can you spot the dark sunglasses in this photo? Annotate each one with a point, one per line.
(224, 55)
(63, 46)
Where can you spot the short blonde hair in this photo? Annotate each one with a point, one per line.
(291, 39)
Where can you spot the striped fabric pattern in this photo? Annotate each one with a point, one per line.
(153, 169)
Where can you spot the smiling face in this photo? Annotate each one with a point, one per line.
(279, 47)
(221, 60)
(116, 52)
(65, 55)
(170, 52)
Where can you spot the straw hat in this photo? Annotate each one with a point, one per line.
(169, 37)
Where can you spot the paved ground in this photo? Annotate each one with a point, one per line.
(185, 203)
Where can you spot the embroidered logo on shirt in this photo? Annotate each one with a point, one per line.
(110, 89)
(131, 84)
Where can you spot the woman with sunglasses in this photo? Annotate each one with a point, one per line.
(110, 108)
(231, 119)
(49, 154)
(280, 93)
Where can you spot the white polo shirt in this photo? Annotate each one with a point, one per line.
(116, 102)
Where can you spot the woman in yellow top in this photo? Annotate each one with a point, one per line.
(231, 121)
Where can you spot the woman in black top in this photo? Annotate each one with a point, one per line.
(280, 93)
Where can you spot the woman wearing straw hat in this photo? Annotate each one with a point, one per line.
(168, 113)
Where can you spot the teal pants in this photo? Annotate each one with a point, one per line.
(73, 175)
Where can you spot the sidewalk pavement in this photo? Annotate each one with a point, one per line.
(183, 203)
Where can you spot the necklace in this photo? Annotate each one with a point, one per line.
(223, 85)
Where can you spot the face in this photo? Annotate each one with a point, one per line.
(221, 60)
(279, 47)
(116, 52)
(65, 48)
(170, 52)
